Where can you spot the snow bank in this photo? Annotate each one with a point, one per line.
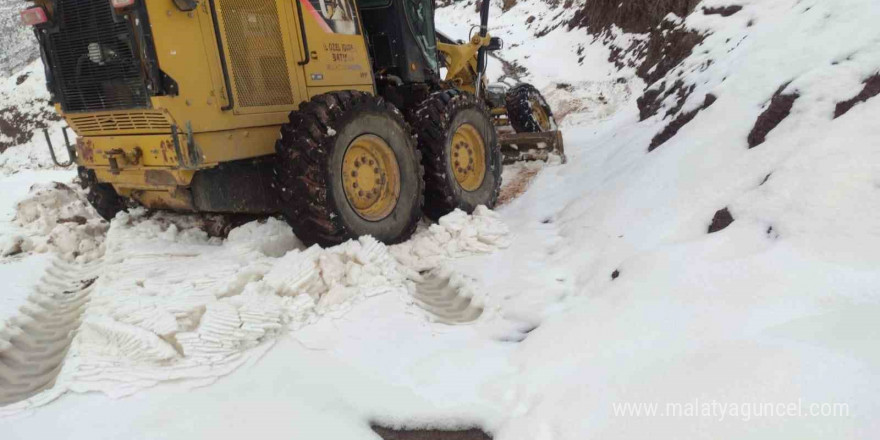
(652, 309)
(57, 218)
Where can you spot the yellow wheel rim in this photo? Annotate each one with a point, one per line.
(468, 157)
(541, 116)
(371, 177)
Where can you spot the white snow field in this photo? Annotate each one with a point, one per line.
(603, 307)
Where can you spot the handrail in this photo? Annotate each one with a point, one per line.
(222, 58)
(70, 150)
(302, 31)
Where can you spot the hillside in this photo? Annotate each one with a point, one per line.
(17, 45)
(703, 266)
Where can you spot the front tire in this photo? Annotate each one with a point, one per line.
(528, 111)
(347, 166)
(460, 152)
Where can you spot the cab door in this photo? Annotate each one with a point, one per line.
(337, 56)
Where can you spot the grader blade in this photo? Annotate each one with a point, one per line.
(518, 147)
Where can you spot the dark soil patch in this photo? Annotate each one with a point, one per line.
(683, 119)
(507, 4)
(871, 89)
(669, 43)
(15, 249)
(78, 219)
(779, 109)
(668, 47)
(615, 274)
(651, 101)
(634, 16)
(21, 79)
(216, 225)
(722, 219)
(724, 11)
(548, 29)
(766, 178)
(512, 70)
(683, 93)
(83, 284)
(17, 127)
(429, 434)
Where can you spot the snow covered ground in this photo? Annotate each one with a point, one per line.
(607, 309)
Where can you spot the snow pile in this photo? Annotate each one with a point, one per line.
(172, 303)
(454, 236)
(56, 218)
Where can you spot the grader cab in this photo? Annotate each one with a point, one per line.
(331, 112)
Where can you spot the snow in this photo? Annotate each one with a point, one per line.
(255, 335)
(19, 272)
(29, 98)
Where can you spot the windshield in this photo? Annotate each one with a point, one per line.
(421, 19)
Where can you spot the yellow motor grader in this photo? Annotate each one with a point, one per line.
(331, 112)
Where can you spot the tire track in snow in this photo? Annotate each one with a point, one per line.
(446, 298)
(34, 343)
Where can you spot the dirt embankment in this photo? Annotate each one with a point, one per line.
(669, 42)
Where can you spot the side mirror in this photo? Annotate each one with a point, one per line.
(495, 43)
(186, 5)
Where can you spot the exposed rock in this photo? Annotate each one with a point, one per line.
(871, 89)
(779, 109)
(722, 219)
(724, 11)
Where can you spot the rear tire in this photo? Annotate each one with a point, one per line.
(528, 111)
(454, 126)
(101, 196)
(320, 153)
